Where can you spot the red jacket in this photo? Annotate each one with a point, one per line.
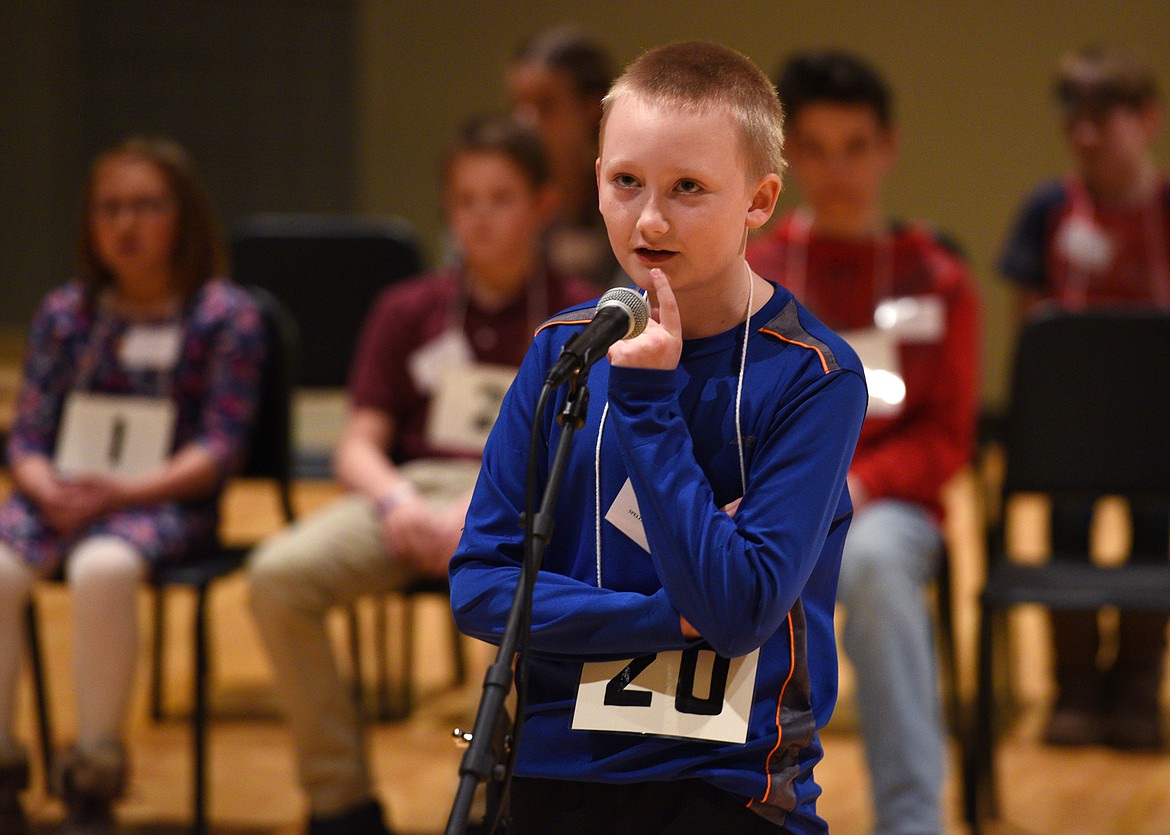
(911, 455)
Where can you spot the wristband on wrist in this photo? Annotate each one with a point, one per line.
(393, 497)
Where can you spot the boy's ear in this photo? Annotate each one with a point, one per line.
(764, 198)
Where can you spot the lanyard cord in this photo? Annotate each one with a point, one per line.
(535, 303)
(747, 329)
(796, 278)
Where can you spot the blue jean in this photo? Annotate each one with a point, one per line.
(891, 553)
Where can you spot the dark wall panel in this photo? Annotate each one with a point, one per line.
(261, 92)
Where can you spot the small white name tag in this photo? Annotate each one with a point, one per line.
(151, 347)
(624, 515)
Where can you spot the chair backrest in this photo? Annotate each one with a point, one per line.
(1090, 405)
(269, 451)
(327, 269)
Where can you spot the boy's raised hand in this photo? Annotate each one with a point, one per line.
(660, 345)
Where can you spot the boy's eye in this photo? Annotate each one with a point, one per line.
(624, 181)
(688, 187)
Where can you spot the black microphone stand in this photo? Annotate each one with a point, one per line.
(490, 754)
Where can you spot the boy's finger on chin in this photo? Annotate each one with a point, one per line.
(661, 279)
(667, 310)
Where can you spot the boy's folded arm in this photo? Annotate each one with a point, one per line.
(735, 580)
(569, 617)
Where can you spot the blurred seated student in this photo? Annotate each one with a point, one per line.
(905, 301)
(1100, 236)
(140, 382)
(555, 84)
(434, 360)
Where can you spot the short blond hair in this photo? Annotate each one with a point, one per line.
(701, 76)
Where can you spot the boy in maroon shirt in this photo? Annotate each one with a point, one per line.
(434, 360)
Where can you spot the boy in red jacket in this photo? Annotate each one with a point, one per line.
(904, 300)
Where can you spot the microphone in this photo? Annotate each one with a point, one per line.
(621, 313)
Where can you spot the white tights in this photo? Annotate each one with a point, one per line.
(103, 575)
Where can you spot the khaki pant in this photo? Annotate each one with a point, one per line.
(328, 559)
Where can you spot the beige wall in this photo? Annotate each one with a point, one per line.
(972, 82)
(971, 78)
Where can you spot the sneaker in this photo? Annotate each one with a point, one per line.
(13, 780)
(365, 819)
(89, 782)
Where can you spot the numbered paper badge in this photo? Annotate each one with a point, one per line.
(878, 353)
(466, 405)
(114, 434)
(430, 362)
(692, 694)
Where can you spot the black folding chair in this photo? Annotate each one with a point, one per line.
(327, 269)
(268, 457)
(1089, 416)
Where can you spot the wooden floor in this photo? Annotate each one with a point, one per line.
(252, 776)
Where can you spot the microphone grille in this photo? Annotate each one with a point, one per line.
(634, 305)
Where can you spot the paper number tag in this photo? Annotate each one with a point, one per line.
(114, 434)
(428, 364)
(878, 353)
(466, 405)
(692, 694)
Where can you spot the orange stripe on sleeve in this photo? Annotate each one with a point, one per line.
(552, 322)
(820, 353)
(779, 705)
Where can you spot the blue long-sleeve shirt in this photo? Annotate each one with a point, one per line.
(765, 579)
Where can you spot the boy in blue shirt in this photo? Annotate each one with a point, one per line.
(682, 631)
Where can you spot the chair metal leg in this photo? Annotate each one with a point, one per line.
(980, 784)
(407, 633)
(157, 655)
(358, 685)
(384, 707)
(395, 693)
(459, 654)
(40, 689)
(199, 716)
(946, 621)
